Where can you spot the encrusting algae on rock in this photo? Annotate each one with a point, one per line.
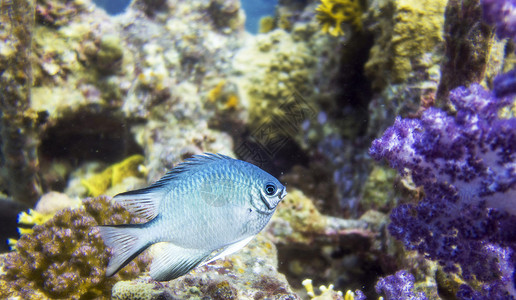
(409, 31)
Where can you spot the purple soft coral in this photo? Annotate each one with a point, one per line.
(399, 286)
(467, 166)
(505, 84)
(502, 14)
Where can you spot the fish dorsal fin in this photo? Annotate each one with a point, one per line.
(173, 261)
(145, 202)
(191, 164)
(230, 249)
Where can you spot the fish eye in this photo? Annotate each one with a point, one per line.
(270, 189)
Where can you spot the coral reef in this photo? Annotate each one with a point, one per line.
(505, 84)
(321, 247)
(465, 163)
(379, 191)
(18, 122)
(249, 274)
(276, 67)
(500, 13)
(129, 290)
(404, 64)
(168, 79)
(399, 286)
(303, 219)
(267, 24)
(331, 14)
(409, 35)
(99, 183)
(297, 220)
(468, 44)
(65, 257)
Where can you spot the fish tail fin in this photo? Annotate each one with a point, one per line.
(127, 242)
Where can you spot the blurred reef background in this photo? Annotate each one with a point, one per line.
(94, 104)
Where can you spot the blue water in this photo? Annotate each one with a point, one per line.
(254, 10)
(113, 7)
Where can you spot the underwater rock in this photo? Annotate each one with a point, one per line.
(409, 36)
(55, 13)
(276, 67)
(468, 44)
(379, 190)
(150, 7)
(404, 64)
(19, 124)
(226, 14)
(250, 273)
(52, 202)
(323, 248)
(105, 54)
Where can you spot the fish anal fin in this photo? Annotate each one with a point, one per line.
(172, 261)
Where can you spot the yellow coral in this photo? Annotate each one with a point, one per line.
(216, 92)
(28, 220)
(222, 94)
(232, 101)
(99, 183)
(309, 287)
(332, 13)
(414, 31)
(124, 290)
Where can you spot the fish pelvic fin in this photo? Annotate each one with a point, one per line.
(228, 250)
(173, 261)
(127, 242)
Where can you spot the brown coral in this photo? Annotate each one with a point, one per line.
(65, 257)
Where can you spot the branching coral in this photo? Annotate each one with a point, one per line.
(65, 257)
(332, 13)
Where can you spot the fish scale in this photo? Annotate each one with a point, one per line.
(207, 207)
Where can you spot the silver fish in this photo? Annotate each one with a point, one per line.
(205, 208)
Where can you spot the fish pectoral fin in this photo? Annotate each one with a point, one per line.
(174, 261)
(230, 249)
